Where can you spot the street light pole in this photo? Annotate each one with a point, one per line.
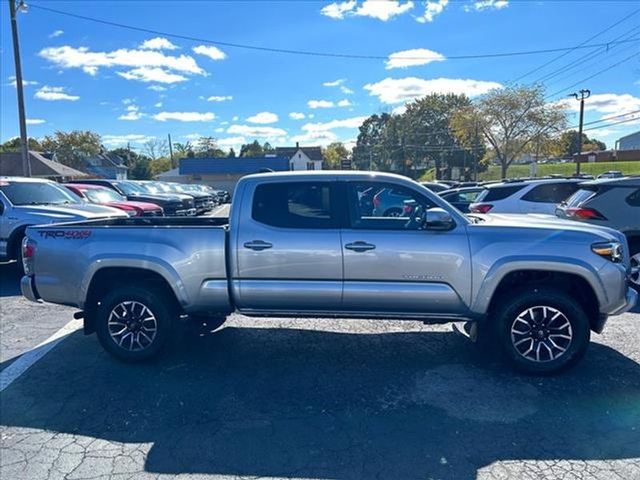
(584, 94)
(24, 145)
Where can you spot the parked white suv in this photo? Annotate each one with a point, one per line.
(526, 196)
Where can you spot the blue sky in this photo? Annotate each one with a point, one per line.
(132, 86)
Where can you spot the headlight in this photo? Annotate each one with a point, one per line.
(131, 213)
(610, 250)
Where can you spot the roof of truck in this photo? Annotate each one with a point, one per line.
(312, 174)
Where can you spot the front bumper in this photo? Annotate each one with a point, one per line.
(631, 298)
(28, 288)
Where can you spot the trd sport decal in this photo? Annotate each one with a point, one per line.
(66, 234)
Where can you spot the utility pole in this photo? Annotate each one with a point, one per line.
(475, 154)
(583, 94)
(170, 150)
(24, 142)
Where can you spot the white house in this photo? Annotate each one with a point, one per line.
(301, 158)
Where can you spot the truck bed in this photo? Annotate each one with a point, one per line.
(147, 222)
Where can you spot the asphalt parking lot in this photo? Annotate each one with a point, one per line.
(326, 399)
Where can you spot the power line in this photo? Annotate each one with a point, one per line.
(580, 45)
(321, 54)
(612, 124)
(599, 72)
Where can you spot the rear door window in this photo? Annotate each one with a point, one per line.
(295, 205)
(634, 199)
(550, 192)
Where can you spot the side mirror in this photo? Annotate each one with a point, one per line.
(439, 219)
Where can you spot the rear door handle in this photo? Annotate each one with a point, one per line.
(257, 245)
(359, 246)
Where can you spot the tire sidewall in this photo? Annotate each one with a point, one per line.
(154, 301)
(563, 302)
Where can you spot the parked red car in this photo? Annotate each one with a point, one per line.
(111, 198)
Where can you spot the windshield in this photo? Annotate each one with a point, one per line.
(103, 195)
(37, 193)
(163, 187)
(130, 188)
(149, 188)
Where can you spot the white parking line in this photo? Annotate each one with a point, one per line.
(22, 364)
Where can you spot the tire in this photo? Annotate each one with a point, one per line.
(551, 323)
(140, 305)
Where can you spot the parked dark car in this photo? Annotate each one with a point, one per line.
(171, 204)
(461, 198)
(109, 197)
(204, 201)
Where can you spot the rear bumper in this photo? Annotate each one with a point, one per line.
(28, 288)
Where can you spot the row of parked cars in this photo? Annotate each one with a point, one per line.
(30, 201)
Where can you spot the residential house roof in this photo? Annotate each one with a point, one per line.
(11, 165)
(314, 153)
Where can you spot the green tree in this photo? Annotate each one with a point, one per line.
(208, 147)
(155, 148)
(182, 150)
(72, 148)
(253, 149)
(510, 120)
(159, 165)
(333, 154)
(267, 148)
(141, 169)
(13, 145)
(568, 143)
(368, 154)
(232, 153)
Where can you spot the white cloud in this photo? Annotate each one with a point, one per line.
(158, 43)
(338, 10)
(487, 5)
(235, 118)
(255, 131)
(383, 10)
(353, 122)
(296, 116)
(224, 123)
(432, 9)
(379, 9)
(25, 83)
(184, 116)
(157, 88)
(214, 53)
(133, 112)
(146, 74)
(192, 136)
(320, 104)
(53, 94)
(319, 138)
(399, 90)
(607, 103)
(56, 33)
(344, 103)
(334, 83)
(35, 121)
(399, 110)
(144, 63)
(158, 105)
(231, 142)
(345, 90)
(114, 140)
(413, 57)
(219, 98)
(263, 118)
(219, 130)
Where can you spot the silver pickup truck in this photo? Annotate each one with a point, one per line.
(314, 245)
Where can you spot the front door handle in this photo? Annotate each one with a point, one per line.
(359, 246)
(257, 245)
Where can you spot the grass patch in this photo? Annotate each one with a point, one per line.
(567, 169)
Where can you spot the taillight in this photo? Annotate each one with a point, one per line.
(480, 207)
(585, 214)
(28, 252)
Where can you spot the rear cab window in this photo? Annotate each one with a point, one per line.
(550, 192)
(295, 205)
(580, 197)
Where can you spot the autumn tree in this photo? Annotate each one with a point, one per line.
(510, 120)
(72, 148)
(13, 145)
(333, 154)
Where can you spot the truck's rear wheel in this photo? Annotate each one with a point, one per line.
(541, 331)
(133, 324)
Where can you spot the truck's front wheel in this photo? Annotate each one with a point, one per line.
(132, 323)
(542, 331)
